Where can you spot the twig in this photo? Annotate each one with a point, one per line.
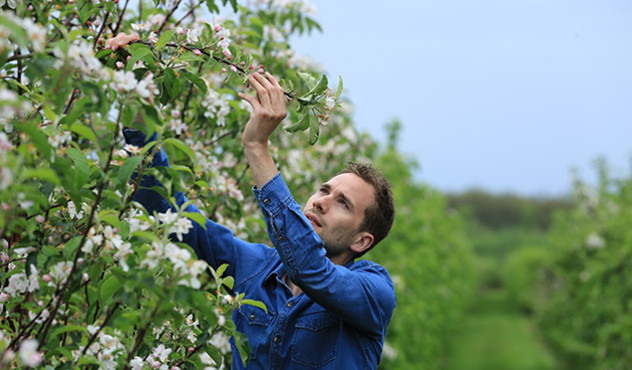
(169, 16)
(96, 333)
(186, 101)
(186, 15)
(141, 335)
(120, 18)
(105, 21)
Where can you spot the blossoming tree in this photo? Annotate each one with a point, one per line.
(87, 276)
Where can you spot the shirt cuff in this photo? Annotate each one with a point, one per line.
(137, 137)
(273, 196)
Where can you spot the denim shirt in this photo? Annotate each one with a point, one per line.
(339, 320)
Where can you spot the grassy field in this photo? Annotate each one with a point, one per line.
(498, 337)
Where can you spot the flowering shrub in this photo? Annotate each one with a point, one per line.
(588, 316)
(87, 275)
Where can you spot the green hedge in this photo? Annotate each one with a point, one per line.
(588, 318)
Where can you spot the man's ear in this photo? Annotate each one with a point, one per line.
(363, 241)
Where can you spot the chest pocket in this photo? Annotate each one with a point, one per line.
(254, 322)
(315, 341)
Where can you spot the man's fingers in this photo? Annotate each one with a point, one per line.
(252, 100)
(262, 92)
(279, 90)
(121, 40)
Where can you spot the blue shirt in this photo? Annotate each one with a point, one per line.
(339, 320)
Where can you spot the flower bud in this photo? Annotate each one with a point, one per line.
(46, 278)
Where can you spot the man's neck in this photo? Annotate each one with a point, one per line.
(295, 289)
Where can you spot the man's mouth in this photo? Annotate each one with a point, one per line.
(313, 219)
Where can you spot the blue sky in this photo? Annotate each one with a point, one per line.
(503, 95)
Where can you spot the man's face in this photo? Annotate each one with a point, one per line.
(337, 209)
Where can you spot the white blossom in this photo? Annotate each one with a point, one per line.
(137, 363)
(18, 283)
(181, 227)
(594, 241)
(161, 352)
(219, 340)
(29, 354)
(193, 34)
(123, 81)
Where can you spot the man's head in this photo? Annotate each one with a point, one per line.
(352, 212)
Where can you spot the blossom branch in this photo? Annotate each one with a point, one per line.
(60, 293)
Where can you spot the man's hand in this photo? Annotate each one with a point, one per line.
(121, 40)
(268, 110)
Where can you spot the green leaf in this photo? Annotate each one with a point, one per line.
(318, 89)
(195, 80)
(220, 270)
(83, 131)
(164, 39)
(42, 173)
(197, 217)
(128, 167)
(109, 286)
(138, 51)
(339, 89)
(67, 328)
(38, 137)
(301, 125)
(82, 167)
(229, 282)
(252, 302)
(309, 80)
(314, 129)
(181, 146)
(123, 229)
(71, 246)
(146, 235)
(78, 108)
(109, 216)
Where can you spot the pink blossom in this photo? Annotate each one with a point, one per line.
(39, 218)
(46, 278)
(197, 52)
(120, 65)
(233, 68)
(217, 28)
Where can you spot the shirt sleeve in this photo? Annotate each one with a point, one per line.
(362, 295)
(216, 244)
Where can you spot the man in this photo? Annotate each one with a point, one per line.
(324, 309)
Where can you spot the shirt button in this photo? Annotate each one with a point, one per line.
(280, 237)
(277, 339)
(290, 304)
(252, 317)
(266, 201)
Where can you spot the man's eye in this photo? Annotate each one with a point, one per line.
(323, 190)
(343, 203)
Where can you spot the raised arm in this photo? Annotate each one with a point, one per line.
(268, 111)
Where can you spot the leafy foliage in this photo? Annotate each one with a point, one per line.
(588, 316)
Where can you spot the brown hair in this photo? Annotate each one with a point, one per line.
(378, 218)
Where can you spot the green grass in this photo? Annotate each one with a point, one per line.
(500, 342)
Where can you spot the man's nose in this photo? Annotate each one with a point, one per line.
(322, 203)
